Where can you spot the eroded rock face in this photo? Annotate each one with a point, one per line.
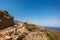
(6, 20)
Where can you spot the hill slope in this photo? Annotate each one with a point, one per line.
(24, 30)
(28, 32)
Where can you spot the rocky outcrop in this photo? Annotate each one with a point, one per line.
(6, 20)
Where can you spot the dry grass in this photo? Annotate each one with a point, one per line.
(36, 36)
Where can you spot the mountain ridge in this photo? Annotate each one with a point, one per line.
(27, 31)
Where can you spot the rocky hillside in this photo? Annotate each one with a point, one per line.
(28, 31)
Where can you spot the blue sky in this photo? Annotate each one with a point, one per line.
(41, 12)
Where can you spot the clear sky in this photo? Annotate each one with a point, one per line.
(42, 12)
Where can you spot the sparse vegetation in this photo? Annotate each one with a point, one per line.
(50, 34)
(27, 32)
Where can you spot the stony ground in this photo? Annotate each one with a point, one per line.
(25, 31)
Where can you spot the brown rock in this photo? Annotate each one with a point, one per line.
(6, 20)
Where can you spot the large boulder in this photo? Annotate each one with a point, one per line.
(6, 20)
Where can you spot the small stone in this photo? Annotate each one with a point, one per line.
(7, 37)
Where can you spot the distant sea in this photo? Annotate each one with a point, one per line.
(54, 28)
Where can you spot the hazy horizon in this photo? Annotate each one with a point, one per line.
(41, 12)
